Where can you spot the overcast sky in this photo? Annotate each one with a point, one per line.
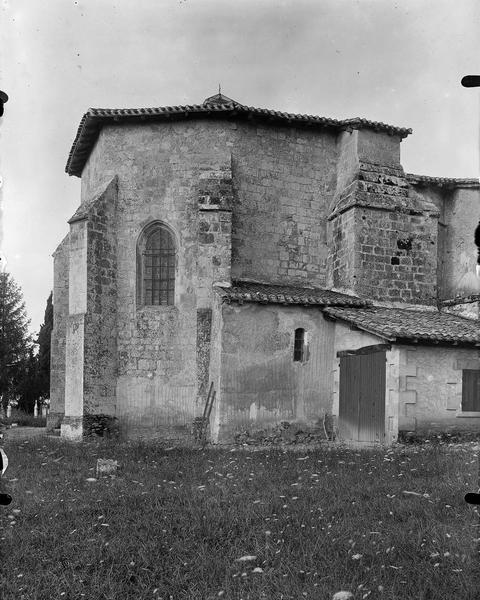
(398, 62)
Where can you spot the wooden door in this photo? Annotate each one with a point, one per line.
(362, 394)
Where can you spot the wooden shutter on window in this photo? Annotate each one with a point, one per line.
(470, 390)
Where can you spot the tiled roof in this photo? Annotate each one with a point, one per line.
(461, 300)
(93, 120)
(397, 324)
(247, 291)
(448, 182)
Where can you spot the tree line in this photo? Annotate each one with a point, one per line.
(24, 359)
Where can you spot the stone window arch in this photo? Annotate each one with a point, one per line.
(156, 266)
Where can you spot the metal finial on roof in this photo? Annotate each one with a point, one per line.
(219, 98)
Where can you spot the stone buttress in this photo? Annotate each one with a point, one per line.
(215, 198)
(383, 236)
(90, 323)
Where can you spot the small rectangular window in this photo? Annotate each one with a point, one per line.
(299, 345)
(470, 390)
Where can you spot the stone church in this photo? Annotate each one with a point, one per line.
(285, 261)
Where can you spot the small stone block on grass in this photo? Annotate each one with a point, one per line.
(106, 466)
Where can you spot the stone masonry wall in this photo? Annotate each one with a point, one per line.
(383, 238)
(178, 174)
(236, 195)
(284, 181)
(397, 258)
(215, 200)
(100, 352)
(343, 252)
(204, 333)
(282, 185)
(459, 212)
(440, 198)
(57, 353)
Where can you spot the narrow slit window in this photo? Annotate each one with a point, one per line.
(299, 345)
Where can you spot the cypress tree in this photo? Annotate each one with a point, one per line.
(14, 338)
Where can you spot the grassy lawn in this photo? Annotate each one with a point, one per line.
(173, 523)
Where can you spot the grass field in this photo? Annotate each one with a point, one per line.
(173, 524)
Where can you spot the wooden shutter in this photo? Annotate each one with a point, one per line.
(470, 390)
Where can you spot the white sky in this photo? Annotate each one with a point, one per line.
(398, 62)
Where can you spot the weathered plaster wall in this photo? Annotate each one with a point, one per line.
(215, 365)
(261, 385)
(430, 388)
(468, 310)
(438, 197)
(393, 369)
(72, 425)
(459, 213)
(61, 259)
(462, 214)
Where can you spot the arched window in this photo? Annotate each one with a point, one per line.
(156, 267)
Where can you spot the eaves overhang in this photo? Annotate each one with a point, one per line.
(441, 182)
(95, 118)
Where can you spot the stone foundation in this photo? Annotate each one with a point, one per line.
(71, 429)
(54, 420)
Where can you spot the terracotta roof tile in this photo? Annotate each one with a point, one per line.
(461, 300)
(397, 324)
(448, 182)
(247, 291)
(93, 120)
